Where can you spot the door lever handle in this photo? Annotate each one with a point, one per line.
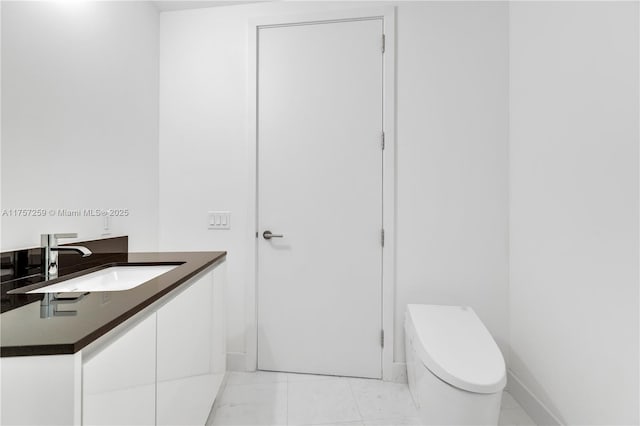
(267, 235)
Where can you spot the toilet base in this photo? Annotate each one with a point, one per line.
(442, 404)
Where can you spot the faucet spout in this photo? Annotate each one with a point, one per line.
(78, 249)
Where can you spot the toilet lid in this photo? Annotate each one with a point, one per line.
(454, 345)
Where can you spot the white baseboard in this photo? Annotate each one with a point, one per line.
(397, 373)
(538, 412)
(236, 361)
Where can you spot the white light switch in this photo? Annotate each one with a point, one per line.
(219, 220)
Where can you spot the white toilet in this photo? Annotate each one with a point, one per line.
(456, 371)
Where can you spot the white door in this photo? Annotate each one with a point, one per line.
(320, 186)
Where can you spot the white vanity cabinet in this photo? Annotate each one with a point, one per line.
(163, 366)
(190, 352)
(167, 368)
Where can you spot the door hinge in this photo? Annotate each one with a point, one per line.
(383, 42)
(383, 140)
(382, 237)
(256, 234)
(382, 338)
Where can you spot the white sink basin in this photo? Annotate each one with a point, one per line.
(114, 278)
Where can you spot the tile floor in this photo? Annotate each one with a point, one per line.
(268, 398)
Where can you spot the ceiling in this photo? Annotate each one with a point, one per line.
(164, 6)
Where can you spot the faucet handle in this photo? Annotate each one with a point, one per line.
(67, 235)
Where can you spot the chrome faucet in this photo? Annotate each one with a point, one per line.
(51, 249)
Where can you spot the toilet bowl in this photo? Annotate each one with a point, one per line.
(456, 371)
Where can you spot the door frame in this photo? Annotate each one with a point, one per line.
(391, 371)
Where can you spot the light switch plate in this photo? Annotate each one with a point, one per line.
(219, 220)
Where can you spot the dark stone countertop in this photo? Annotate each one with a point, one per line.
(24, 333)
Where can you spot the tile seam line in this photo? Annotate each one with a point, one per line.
(355, 400)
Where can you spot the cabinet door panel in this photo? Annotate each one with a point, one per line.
(118, 381)
(186, 381)
(184, 332)
(219, 342)
(130, 406)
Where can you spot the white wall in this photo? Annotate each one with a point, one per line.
(80, 117)
(574, 207)
(452, 151)
(452, 160)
